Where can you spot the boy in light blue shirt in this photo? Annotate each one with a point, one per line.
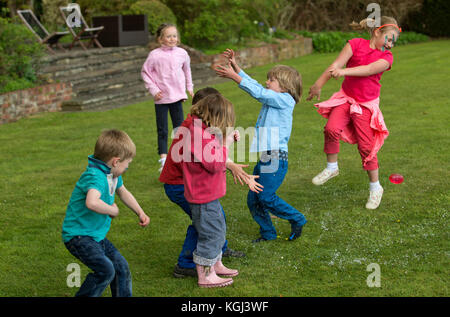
(273, 129)
(89, 213)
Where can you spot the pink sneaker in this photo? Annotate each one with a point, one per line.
(208, 278)
(224, 271)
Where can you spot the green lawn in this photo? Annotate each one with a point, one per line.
(408, 235)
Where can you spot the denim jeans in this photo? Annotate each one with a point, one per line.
(208, 219)
(108, 265)
(271, 176)
(176, 195)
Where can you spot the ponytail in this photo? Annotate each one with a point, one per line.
(370, 26)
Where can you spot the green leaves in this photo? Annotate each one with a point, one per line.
(19, 56)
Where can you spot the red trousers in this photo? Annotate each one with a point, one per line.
(339, 118)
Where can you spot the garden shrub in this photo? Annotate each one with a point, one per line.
(20, 55)
(334, 41)
(217, 22)
(156, 11)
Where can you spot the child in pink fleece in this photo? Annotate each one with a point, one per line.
(353, 113)
(204, 157)
(167, 76)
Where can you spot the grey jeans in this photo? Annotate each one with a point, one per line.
(209, 222)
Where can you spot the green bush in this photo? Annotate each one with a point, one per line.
(334, 41)
(20, 55)
(156, 11)
(209, 28)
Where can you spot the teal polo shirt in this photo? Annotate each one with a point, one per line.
(81, 221)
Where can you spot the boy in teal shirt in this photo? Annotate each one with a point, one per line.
(90, 210)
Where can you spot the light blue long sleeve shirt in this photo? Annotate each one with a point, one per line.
(274, 124)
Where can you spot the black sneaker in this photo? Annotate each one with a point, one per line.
(296, 232)
(233, 253)
(180, 272)
(259, 240)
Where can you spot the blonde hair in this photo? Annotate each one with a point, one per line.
(114, 143)
(215, 111)
(289, 79)
(368, 24)
(162, 28)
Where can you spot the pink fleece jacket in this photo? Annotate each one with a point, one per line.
(204, 173)
(348, 135)
(167, 70)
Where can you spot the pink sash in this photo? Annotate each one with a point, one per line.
(348, 134)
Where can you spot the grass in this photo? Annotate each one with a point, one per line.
(408, 235)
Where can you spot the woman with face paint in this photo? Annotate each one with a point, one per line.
(353, 112)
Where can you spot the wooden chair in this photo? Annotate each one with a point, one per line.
(44, 37)
(84, 32)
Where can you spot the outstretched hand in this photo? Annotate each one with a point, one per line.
(230, 55)
(314, 91)
(237, 170)
(225, 71)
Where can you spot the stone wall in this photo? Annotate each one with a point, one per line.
(22, 103)
(269, 53)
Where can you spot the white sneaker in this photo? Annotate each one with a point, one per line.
(324, 176)
(375, 198)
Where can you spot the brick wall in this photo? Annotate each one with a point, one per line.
(22, 103)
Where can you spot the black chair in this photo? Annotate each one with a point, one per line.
(83, 32)
(44, 37)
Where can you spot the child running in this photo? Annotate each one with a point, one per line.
(167, 76)
(89, 213)
(283, 90)
(172, 177)
(353, 112)
(203, 167)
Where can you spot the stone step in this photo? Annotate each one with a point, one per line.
(60, 70)
(86, 71)
(93, 54)
(102, 99)
(96, 76)
(115, 82)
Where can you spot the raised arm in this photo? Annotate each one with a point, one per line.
(338, 63)
(379, 66)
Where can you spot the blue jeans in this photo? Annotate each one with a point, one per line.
(271, 176)
(176, 195)
(108, 265)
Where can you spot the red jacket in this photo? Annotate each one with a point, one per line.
(172, 172)
(203, 162)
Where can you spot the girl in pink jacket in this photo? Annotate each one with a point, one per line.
(353, 113)
(203, 165)
(167, 76)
